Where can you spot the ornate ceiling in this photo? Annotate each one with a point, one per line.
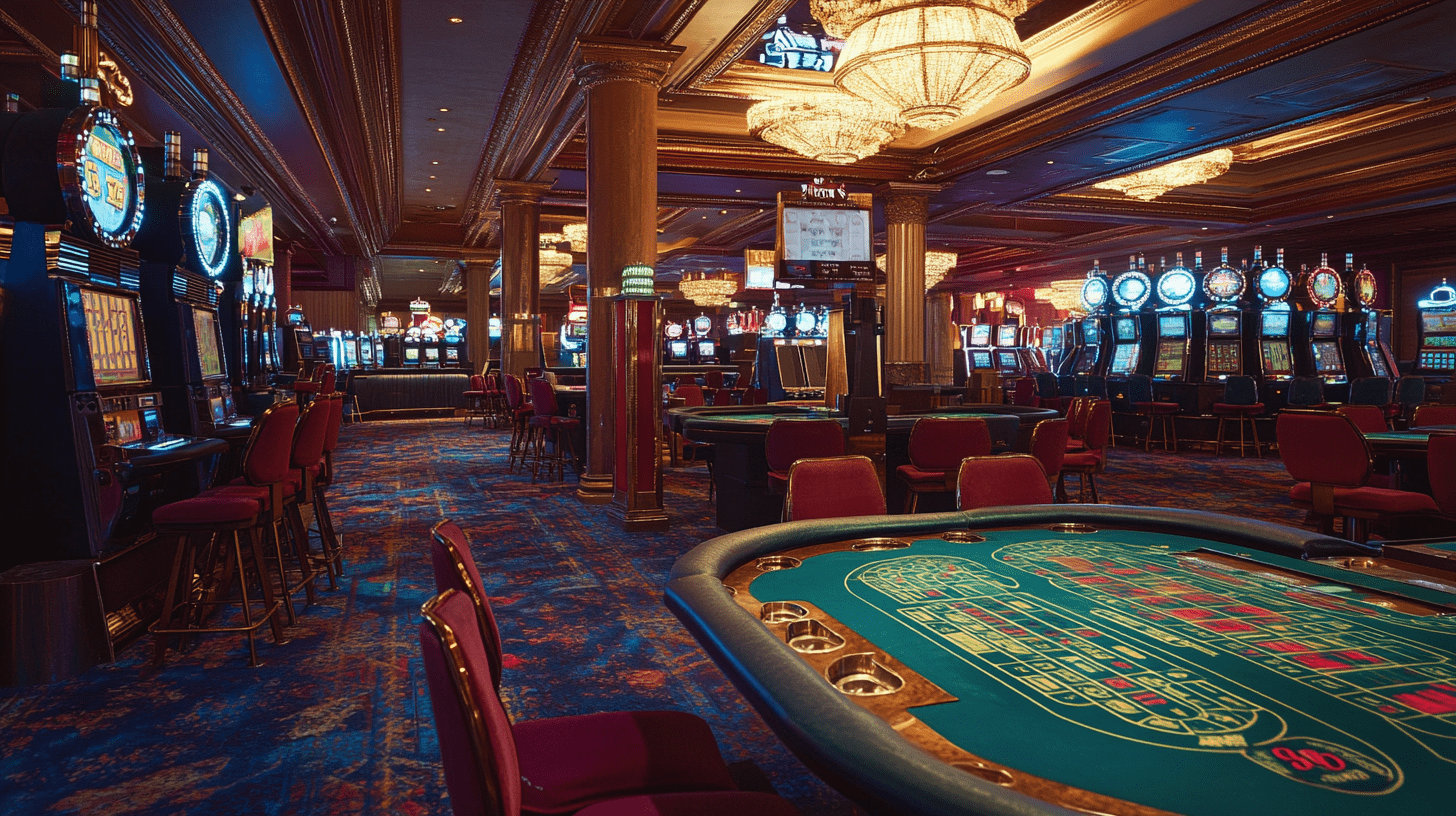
(378, 128)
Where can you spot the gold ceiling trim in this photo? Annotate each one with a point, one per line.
(1341, 128)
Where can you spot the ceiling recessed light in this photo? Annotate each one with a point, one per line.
(431, 176)
(444, 110)
(434, 162)
(1051, 162)
(427, 189)
(442, 130)
(1203, 227)
(456, 20)
(705, 218)
(722, 212)
(997, 172)
(737, 191)
(1329, 216)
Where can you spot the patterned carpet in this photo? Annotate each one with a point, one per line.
(337, 721)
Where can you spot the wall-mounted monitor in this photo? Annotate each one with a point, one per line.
(826, 234)
(255, 235)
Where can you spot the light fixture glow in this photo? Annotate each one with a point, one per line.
(708, 288)
(456, 20)
(836, 128)
(1149, 184)
(576, 234)
(937, 264)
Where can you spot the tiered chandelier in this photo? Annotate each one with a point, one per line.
(1065, 295)
(576, 234)
(708, 288)
(921, 63)
(938, 263)
(1149, 184)
(553, 261)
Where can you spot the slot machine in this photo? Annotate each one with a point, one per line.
(1223, 289)
(430, 347)
(978, 348)
(90, 454)
(350, 350)
(1317, 331)
(707, 351)
(702, 326)
(1177, 357)
(1366, 349)
(1437, 356)
(1008, 357)
(1051, 346)
(678, 352)
(1033, 356)
(1094, 344)
(1272, 287)
(453, 344)
(411, 356)
(670, 331)
(1130, 291)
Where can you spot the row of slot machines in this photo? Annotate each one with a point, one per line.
(1009, 350)
(1212, 345)
(792, 368)
(347, 351)
(689, 343)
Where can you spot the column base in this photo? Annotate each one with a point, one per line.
(594, 488)
(648, 520)
(904, 373)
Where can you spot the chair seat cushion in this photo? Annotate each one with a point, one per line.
(565, 422)
(1088, 459)
(1075, 445)
(206, 510)
(1371, 499)
(1227, 409)
(1157, 407)
(473, 393)
(716, 803)
(259, 495)
(915, 475)
(570, 762)
(538, 421)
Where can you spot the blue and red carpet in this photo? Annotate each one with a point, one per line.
(338, 721)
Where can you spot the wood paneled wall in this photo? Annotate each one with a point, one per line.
(329, 310)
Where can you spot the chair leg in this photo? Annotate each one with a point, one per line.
(1092, 480)
(1061, 495)
(1218, 443)
(282, 574)
(1254, 432)
(237, 555)
(255, 546)
(1173, 424)
(169, 600)
(712, 480)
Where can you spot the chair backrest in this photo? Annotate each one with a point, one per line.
(455, 569)
(1410, 390)
(755, 396)
(513, 390)
(326, 380)
(834, 487)
(1370, 391)
(477, 382)
(492, 382)
(1099, 425)
(1306, 392)
(1428, 415)
(310, 432)
(543, 398)
(691, 395)
(722, 396)
(1025, 393)
(789, 440)
(713, 379)
(1046, 385)
(1077, 418)
(534, 373)
(1441, 468)
(1049, 444)
(265, 460)
(1066, 385)
(1368, 418)
(1139, 388)
(1240, 389)
(999, 481)
(1323, 448)
(477, 747)
(940, 443)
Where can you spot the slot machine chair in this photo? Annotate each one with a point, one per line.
(1092, 459)
(937, 447)
(1025, 392)
(1240, 402)
(833, 487)
(1140, 395)
(1047, 393)
(618, 763)
(1410, 393)
(1332, 462)
(474, 397)
(1001, 481)
(1306, 392)
(307, 462)
(1371, 391)
(331, 545)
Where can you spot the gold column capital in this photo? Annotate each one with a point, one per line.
(614, 59)
(907, 202)
(509, 191)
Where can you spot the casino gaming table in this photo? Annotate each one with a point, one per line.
(1121, 660)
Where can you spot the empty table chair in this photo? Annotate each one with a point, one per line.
(1092, 459)
(833, 487)
(1049, 444)
(789, 440)
(999, 481)
(937, 446)
(1429, 415)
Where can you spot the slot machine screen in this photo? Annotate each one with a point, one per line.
(1089, 331)
(218, 408)
(1439, 323)
(112, 329)
(1125, 358)
(1277, 362)
(678, 349)
(1276, 324)
(1126, 329)
(304, 337)
(1172, 326)
(1007, 361)
(209, 356)
(1223, 358)
(1327, 358)
(1171, 354)
(981, 359)
(981, 334)
(707, 349)
(432, 354)
(1223, 324)
(351, 354)
(412, 353)
(1006, 335)
(452, 354)
(151, 421)
(1052, 338)
(1323, 325)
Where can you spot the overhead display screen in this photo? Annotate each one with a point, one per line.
(812, 234)
(209, 359)
(111, 337)
(255, 235)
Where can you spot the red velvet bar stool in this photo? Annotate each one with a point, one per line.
(789, 440)
(1077, 422)
(332, 544)
(1092, 460)
(937, 446)
(1001, 481)
(546, 426)
(306, 464)
(455, 568)
(1159, 412)
(833, 487)
(495, 400)
(1241, 403)
(621, 763)
(519, 412)
(475, 400)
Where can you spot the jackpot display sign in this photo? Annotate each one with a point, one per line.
(111, 337)
(255, 235)
(208, 226)
(102, 176)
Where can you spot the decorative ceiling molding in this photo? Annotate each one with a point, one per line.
(41, 50)
(153, 43)
(733, 47)
(342, 62)
(1333, 129)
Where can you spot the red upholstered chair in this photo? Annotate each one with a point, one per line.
(722, 396)
(1428, 415)
(1331, 461)
(713, 380)
(475, 400)
(1241, 402)
(1368, 418)
(937, 446)
(304, 387)
(332, 544)
(1441, 467)
(1158, 412)
(756, 396)
(519, 411)
(692, 396)
(574, 764)
(326, 379)
(1077, 416)
(1024, 392)
(1092, 460)
(999, 481)
(789, 440)
(307, 465)
(455, 569)
(545, 425)
(833, 487)
(1049, 444)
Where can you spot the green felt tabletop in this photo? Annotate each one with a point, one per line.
(1397, 436)
(1127, 664)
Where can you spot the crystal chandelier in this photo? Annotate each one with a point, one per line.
(840, 17)
(1065, 295)
(934, 61)
(937, 264)
(576, 234)
(553, 261)
(708, 288)
(1149, 184)
(830, 127)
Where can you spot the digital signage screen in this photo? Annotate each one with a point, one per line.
(255, 235)
(826, 234)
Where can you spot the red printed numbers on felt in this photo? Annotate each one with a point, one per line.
(1306, 758)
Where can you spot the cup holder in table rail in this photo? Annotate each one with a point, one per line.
(1361, 562)
(730, 590)
(1072, 527)
(961, 537)
(769, 563)
(812, 637)
(861, 675)
(782, 612)
(1000, 776)
(877, 544)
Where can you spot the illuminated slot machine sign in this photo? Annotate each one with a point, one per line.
(209, 346)
(208, 227)
(1132, 289)
(1172, 362)
(1438, 330)
(1177, 285)
(101, 176)
(1274, 344)
(112, 338)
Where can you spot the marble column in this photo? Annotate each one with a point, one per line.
(906, 207)
(477, 314)
(520, 206)
(940, 337)
(621, 78)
